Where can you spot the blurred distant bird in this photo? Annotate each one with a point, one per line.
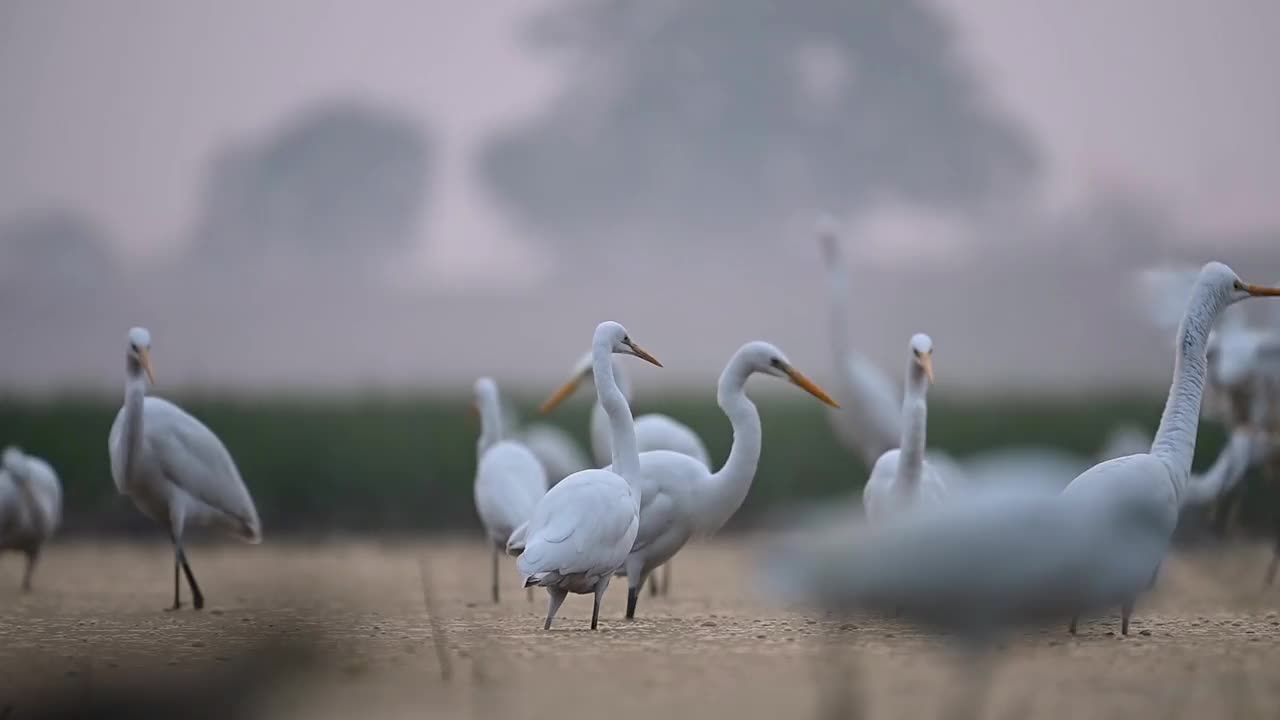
(902, 478)
(680, 497)
(30, 506)
(555, 448)
(583, 528)
(654, 431)
(174, 468)
(509, 478)
(1152, 486)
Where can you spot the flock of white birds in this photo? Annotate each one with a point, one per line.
(1010, 536)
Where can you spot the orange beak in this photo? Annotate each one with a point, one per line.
(809, 386)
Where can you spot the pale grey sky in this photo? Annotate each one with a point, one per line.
(115, 109)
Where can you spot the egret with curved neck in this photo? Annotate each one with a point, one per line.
(583, 528)
(902, 478)
(681, 497)
(174, 468)
(30, 506)
(1143, 493)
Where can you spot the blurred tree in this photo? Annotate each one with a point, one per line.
(718, 115)
(55, 250)
(340, 181)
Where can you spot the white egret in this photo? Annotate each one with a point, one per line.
(1150, 488)
(509, 478)
(680, 497)
(869, 420)
(654, 431)
(174, 468)
(583, 528)
(30, 506)
(902, 478)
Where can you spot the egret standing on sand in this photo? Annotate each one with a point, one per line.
(509, 478)
(1151, 487)
(654, 431)
(901, 478)
(30, 506)
(174, 468)
(680, 497)
(582, 530)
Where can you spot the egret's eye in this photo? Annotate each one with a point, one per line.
(776, 362)
(1237, 285)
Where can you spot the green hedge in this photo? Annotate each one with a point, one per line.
(406, 463)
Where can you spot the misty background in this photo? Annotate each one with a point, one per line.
(403, 194)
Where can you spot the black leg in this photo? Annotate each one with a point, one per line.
(595, 610)
(633, 596)
(177, 597)
(33, 556)
(1074, 620)
(495, 574)
(1126, 611)
(197, 598)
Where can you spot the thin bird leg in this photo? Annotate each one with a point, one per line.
(33, 556)
(1075, 619)
(666, 579)
(197, 597)
(595, 604)
(495, 574)
(177, 598)
(557, 599)
(633, 597)
(1126, 611)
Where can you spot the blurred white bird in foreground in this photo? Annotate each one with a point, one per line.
(30, 506)
(654, 431)
(174, 468)
(1153, 486)
(509, 478)
(902, 478)
(583, 528)
(680, 497)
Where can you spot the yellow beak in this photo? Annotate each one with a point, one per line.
(1259, 291)
(926, 362)
(559, 395)
(642, 353)
(809, 386)
(144, 357)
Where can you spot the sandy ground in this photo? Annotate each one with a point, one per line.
(1206, 643)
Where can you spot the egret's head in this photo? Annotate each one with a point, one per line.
(139, 357)
(762, 357)
(922, 354)
(1223, 282)
(12, 459)
(485, 391)
(609, 335)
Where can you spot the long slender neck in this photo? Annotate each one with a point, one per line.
(727, 488)
(490, 421)
(622, 436)
(838, 303)
(601, 446)
(1175, 440)
(135, 392)
(915, 419)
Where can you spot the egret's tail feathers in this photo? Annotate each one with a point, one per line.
(515, 543)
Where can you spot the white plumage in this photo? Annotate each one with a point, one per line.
(681, 497)
(901, 478)
(583, 528)
(1148, 489)
(30, 506)
(509, 478)
(174, 468)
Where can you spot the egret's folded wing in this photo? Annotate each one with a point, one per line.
(194, 459)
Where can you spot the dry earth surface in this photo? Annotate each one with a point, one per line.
(341, 629)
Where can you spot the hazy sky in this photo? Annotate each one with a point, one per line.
(114, 109)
